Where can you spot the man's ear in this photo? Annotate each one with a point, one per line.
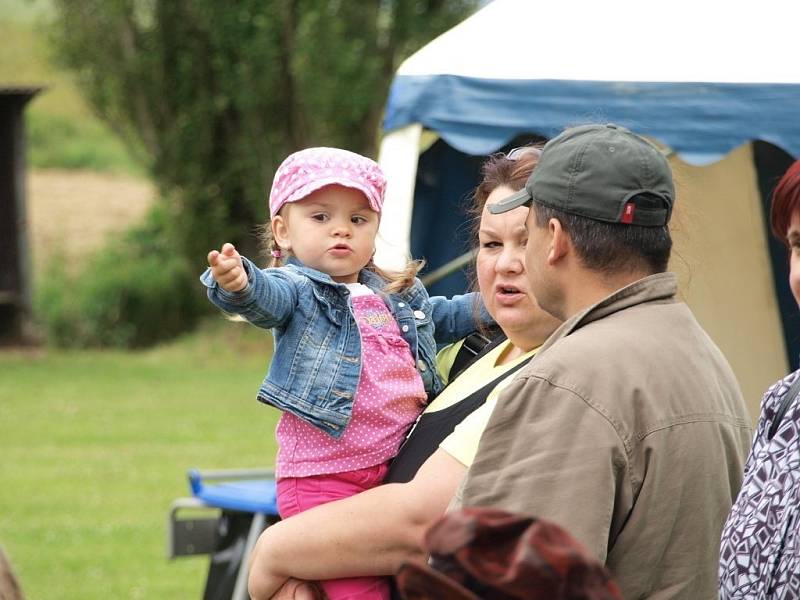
(560, 244)
(280, 232)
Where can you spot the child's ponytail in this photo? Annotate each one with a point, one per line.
(397, 281)
(269, 247)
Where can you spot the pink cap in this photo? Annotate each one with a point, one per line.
(308, 170)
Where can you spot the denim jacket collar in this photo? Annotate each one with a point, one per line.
(309, 272)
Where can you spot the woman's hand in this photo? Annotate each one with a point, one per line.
(263, 583)
(369, 534)
(297, 589)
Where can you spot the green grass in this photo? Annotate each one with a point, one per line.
(56, 141)
(24, 11)
(62, 130)
(95, 446)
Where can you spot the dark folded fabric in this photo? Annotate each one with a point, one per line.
(489, 554)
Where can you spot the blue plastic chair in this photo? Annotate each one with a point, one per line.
(245, 491)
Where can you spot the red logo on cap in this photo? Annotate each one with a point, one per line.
(627, 214)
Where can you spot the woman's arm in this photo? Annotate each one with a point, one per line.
(371, 533)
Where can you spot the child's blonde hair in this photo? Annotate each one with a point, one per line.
(396, 281)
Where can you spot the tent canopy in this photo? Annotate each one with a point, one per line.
(701, 77)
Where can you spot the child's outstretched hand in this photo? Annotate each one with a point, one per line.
(227, 269)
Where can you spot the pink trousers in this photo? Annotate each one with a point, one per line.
(296, 494)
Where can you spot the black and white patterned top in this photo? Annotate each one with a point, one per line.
(760, 549)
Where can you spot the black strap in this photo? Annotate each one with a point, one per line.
(790, 395)
(475, 345)
(433, 427)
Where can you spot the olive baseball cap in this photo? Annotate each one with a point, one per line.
(595, 171)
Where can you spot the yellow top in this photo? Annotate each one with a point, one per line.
(463, 442)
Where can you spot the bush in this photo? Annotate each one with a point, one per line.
(137, 293)
(56, 141)
(216, 94)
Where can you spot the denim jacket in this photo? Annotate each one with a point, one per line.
(317, 361)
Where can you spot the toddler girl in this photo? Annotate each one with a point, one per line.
(355, 348)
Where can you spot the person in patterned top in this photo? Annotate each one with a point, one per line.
(760, 547)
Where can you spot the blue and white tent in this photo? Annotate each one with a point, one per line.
(717, 83)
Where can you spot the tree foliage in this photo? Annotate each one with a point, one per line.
(213, 95)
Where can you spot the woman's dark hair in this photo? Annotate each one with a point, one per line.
(497, 171)
(785, 200)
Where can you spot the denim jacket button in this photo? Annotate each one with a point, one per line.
(401, 304)
(405, 328)
(419, 314)
(422, 366)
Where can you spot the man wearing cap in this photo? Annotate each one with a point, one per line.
(628, 428)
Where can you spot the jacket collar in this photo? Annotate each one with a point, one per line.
(653, 288)
(366, 276)
(312, 274)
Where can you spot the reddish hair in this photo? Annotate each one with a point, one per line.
(785, 201)
(497, 171)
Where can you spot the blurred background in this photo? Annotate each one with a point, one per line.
(135, 135)
(152, 131)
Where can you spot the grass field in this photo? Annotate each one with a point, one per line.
(95, 446)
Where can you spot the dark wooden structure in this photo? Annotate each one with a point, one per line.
(15, 272)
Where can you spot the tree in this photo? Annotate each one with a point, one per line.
(212, 95)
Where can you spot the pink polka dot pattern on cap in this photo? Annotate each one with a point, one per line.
(308, 170)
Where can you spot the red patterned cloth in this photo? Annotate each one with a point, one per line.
(490, 554)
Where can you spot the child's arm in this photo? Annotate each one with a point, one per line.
(455, 318)
(266, 298)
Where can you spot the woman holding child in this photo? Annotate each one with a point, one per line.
(372, 533)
